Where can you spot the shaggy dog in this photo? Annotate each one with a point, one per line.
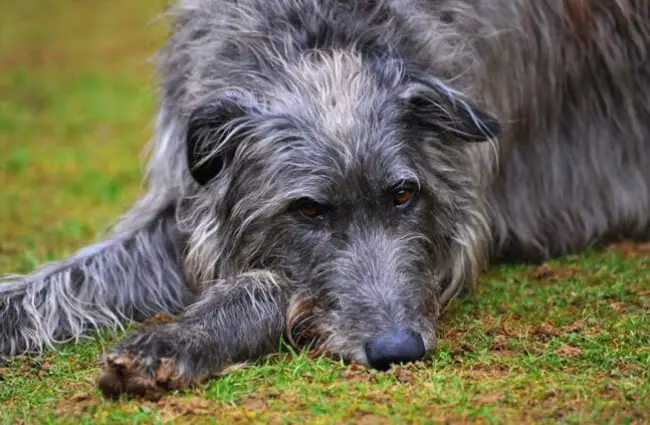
(337, 172)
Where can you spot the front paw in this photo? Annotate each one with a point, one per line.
(147, 365)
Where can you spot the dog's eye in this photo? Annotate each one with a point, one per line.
(311, 211)
(309, 208)
(403, 196)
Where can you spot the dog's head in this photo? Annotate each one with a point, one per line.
(352, 177)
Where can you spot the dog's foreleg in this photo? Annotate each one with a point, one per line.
(235, 320)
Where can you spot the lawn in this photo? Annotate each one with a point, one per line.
(566, 342)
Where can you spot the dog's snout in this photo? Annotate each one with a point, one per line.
(399, 346)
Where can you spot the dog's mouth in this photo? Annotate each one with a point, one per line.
(399, 345)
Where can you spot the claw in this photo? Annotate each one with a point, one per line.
(120, 374)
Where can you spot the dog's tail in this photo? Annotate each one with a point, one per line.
(132, 274)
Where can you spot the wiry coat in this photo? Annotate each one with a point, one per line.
(265, 103)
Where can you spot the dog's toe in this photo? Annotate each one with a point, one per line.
(121, 374)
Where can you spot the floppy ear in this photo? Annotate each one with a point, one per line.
(213, 133)
(431, 106)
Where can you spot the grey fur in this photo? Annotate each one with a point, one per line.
(338, 101)
(95, 288)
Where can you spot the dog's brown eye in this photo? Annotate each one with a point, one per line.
(311, 211)
(309, 208)
(402, 197)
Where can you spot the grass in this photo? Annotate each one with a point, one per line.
(568, 342)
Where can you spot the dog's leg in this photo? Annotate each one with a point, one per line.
(129, 276)
(236, 320)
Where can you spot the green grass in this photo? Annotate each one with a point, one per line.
(565, 343)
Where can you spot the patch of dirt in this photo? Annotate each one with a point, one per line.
(548, 395)
(631, 249)
(454, 419)
(644, 300)
(549, 406)
(505, 326)
(404, 374)
(252, 403)
(273, 398)
(499, 343)
(490, 398)
(76, 405)
(544, 332)
(617, 306)
(461, 348)
(371, 419)
(454, 333)
(173, 408)
(568, 351)
(275, 420)
(629, 369)
(499, 354)
(481, 372)
(357, 372)
(380, 397)
(554, 406)
(575, 327)
(28, 365)
(350, 376)
(609, 392)
(44, 368)
(548, 273)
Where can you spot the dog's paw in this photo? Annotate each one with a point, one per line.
(123, 374)
(144, 367)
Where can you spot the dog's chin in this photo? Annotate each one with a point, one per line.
(351, 356)
(359, 357)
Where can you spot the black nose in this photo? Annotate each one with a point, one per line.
(400, 346)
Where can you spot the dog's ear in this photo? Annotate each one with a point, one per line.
(213, 134)
(431, 106)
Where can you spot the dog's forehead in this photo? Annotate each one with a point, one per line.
(335, 92)
(346, 117)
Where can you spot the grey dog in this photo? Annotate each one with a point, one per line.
(337, 172)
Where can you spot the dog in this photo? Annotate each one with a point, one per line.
(338, 172)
